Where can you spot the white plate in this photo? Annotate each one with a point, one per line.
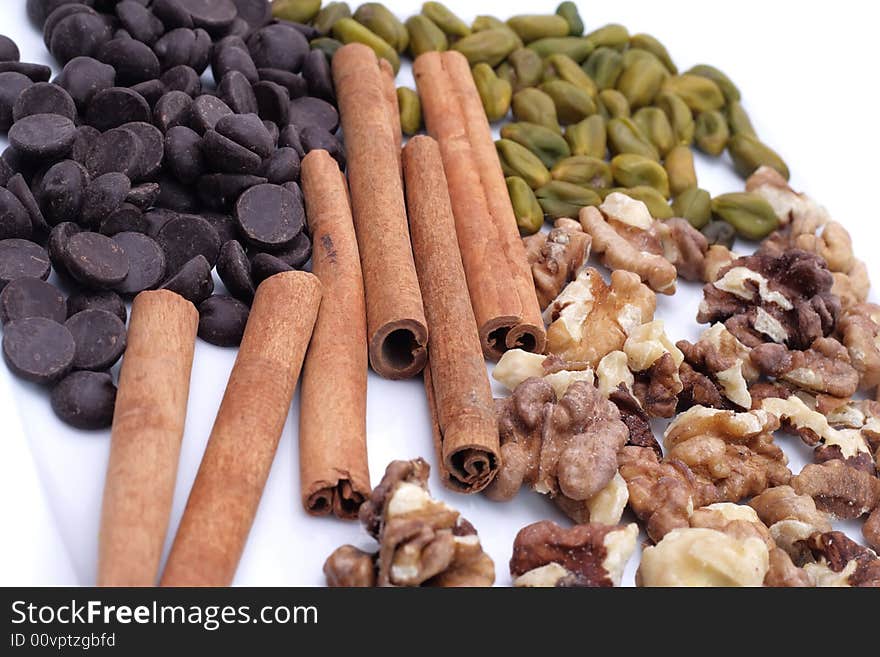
(806, 78)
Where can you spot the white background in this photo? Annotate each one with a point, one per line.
(807, 72)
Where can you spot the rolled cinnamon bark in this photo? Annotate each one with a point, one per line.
(499, 280)
(459, 394)
(148, 424)
(390, 90)
(233, 472)
(395, 316)
(334, 476)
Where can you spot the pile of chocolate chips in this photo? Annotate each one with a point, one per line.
(129, 172)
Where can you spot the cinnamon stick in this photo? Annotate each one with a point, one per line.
(334, 476)
(390, 89)
(459, 394)
(227, 490)
(499, 279)
(396, 329)
(148, 425)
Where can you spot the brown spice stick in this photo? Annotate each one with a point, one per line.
(334, 476)
(459, 394)
(390, 90)
(227, 490)
(501, 287)
(148, 424)
(395, 316)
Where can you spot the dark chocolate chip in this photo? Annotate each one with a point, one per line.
(156, 218)
(265, 265)
(95, 260)
(134, 61)
(212, 15)
(57, 246)
(274, 132)
(308, 111)
(193, 282)
(222, 320)
(297, 253)
(174, 195)
(154, 149)
(289, 138)
(220, 190)
(140, 22)
(11, 86)
(295, 83)
(60, 11)
(223, 224)
(19, 187)
(8, 49)
(278, 46)
(183, 154)
(315, 138)
(256, 13)
(269, 215)
(60, 192)
(36, 72)
(147, 262)
(31, 297)
(182, 78)
(143, 196)
(151, 90)
(44, 98)
(96, 300)
(273, 101)
(172, 13)
(234, 270)
(226, 156)
(99, 338)
(86, 136)
(126, 218)
(172, 109)
(231, 58)
(38, 349)
(15, 222)
(118, 150)
(247, 130)
(103, 196)
(237, 93)
(83, 77)
(22, 259)
(282, 166)
(316, 71)
(185, 237)
(79, 34)
(307, 31)
(113, 107)
(206, 111)
(85, 400)
(184, 46)
(43, 136)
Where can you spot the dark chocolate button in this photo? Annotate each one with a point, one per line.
(172, 13)
(269, 215)
(134, 61)
(315, 138)
(116, 151)
(297, 253)
(8, 49)
(57, 245)
(143, 196)
(38, 349)
(182, 78)
(95, 260)
(113, 107)
(223, 155)
(307, 111)
(60, 191)
(83, 77)
(80, 34)
(14, 218)
(255, 12)
(173, 109)
(223, 224)
(222, 320)
(86, 136)
(36, 72)
(43, 136)
(85, 400)
(102, 197)
(212, 15)
(44, 98)
(295, 83)
(282, 166)
(316, 71)
(126, 218)
(151, 90)
(231, 58)
(153, 142)
(183, 153)
(247, 130)
(265, 265)
(59, 11)
(31, 297)
(193, 282)
(155, 218)
(19, 187)
(185, 237)
(273, 101)
(100, 339)
(289, 138)
(220, 190)
(235, 90)
(146, 262)
(174, 195)
(140, 22)
(206, 111)
(96, 300)
(278, 46)
(234, 270)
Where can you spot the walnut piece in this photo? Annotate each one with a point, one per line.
(662, 494)
(627, 241)
(787, 204)
(824, 368)
(837, 488)
(591, 555)
(784, 573)
(556, 257)
(590, 318)
(517, 365)
(562, 447)
(684, 246)
(720, 358)
(696, 556)
(791, 518)
(859, 327)
(655, 361)
(734, 452)
(840, 561)
(422, 541)
(717, 258)
(871, 529)
(785, 299)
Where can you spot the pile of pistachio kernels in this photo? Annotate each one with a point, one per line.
(578, 100)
